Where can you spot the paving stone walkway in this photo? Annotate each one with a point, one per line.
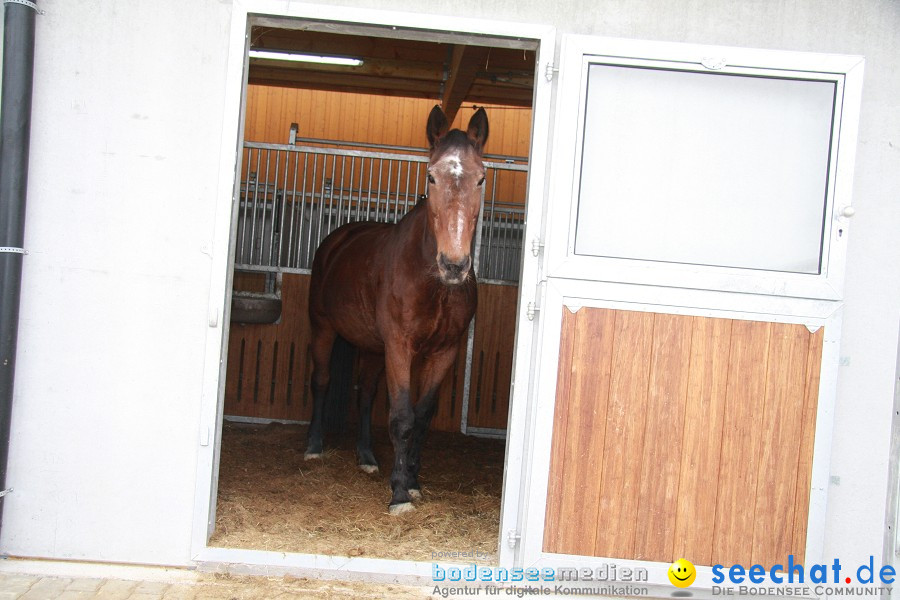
(23, 586)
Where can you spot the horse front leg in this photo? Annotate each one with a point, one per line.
(398, 362)
(370, 369)
(434, 369)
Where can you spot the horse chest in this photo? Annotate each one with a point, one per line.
(444, 328)
(435, 321)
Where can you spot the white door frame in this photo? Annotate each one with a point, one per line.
(574, 281)
(362, 21)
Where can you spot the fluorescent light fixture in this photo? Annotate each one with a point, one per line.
(312, 58)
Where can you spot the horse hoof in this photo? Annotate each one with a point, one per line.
(415, 494)
(369, 468)
(399, 509)
(312, 455)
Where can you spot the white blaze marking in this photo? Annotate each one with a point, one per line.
(456, 168)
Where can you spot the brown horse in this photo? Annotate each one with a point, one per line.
(404, 295)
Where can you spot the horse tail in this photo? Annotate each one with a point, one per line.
(343, 356)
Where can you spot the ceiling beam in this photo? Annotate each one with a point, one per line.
(343, 45)
(479, 94)
(491, 95)
(394, 33)
(465, 64)
(338, 82)
(377, 67)
(349, 89)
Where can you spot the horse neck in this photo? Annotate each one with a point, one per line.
(416, 238)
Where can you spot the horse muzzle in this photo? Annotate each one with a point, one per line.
(453, 272)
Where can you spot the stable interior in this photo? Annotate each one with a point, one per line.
(325, 145)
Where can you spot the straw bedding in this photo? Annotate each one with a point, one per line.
(271, 499)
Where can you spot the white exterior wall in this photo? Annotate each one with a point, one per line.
(123, 189)
(127, 113)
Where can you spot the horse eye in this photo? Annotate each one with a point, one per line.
(430, 178)
(481, 181)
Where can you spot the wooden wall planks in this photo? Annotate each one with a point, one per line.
(265, 382)
(704, 417)
(555, 537)
(738, 468)
(495, 332)
(807, 438)
(382, 120)
(370, 119)
(661, 460)
(625, 429)
(587, 413)
(678, 436)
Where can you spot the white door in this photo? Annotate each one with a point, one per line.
(694, 248)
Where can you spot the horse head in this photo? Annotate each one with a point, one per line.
(455, 177)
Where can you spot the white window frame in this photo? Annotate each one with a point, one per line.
(359, 21)
(579, 52)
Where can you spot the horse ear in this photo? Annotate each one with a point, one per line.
(437, 125)
(478, 128)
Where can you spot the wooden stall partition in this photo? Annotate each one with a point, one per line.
(269, 366)
(679, 436)
(492, 356)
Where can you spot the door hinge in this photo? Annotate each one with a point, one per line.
(536, 246)
(204, 436)
(513, 537)
(549, 70)
(534, 306)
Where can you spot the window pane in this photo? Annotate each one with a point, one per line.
(704, 168)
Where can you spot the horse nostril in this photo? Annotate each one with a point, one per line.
(454, 268)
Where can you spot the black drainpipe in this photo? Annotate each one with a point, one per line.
(15, 126)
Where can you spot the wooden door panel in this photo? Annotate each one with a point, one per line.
(680, 436)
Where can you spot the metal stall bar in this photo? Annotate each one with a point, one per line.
(350, 195)
(299, 260)
(274, 210)
(406, 149)
(329, 197)
(293, 209)
(318, 213)
(326, 200)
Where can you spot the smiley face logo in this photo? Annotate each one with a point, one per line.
(682, 573)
